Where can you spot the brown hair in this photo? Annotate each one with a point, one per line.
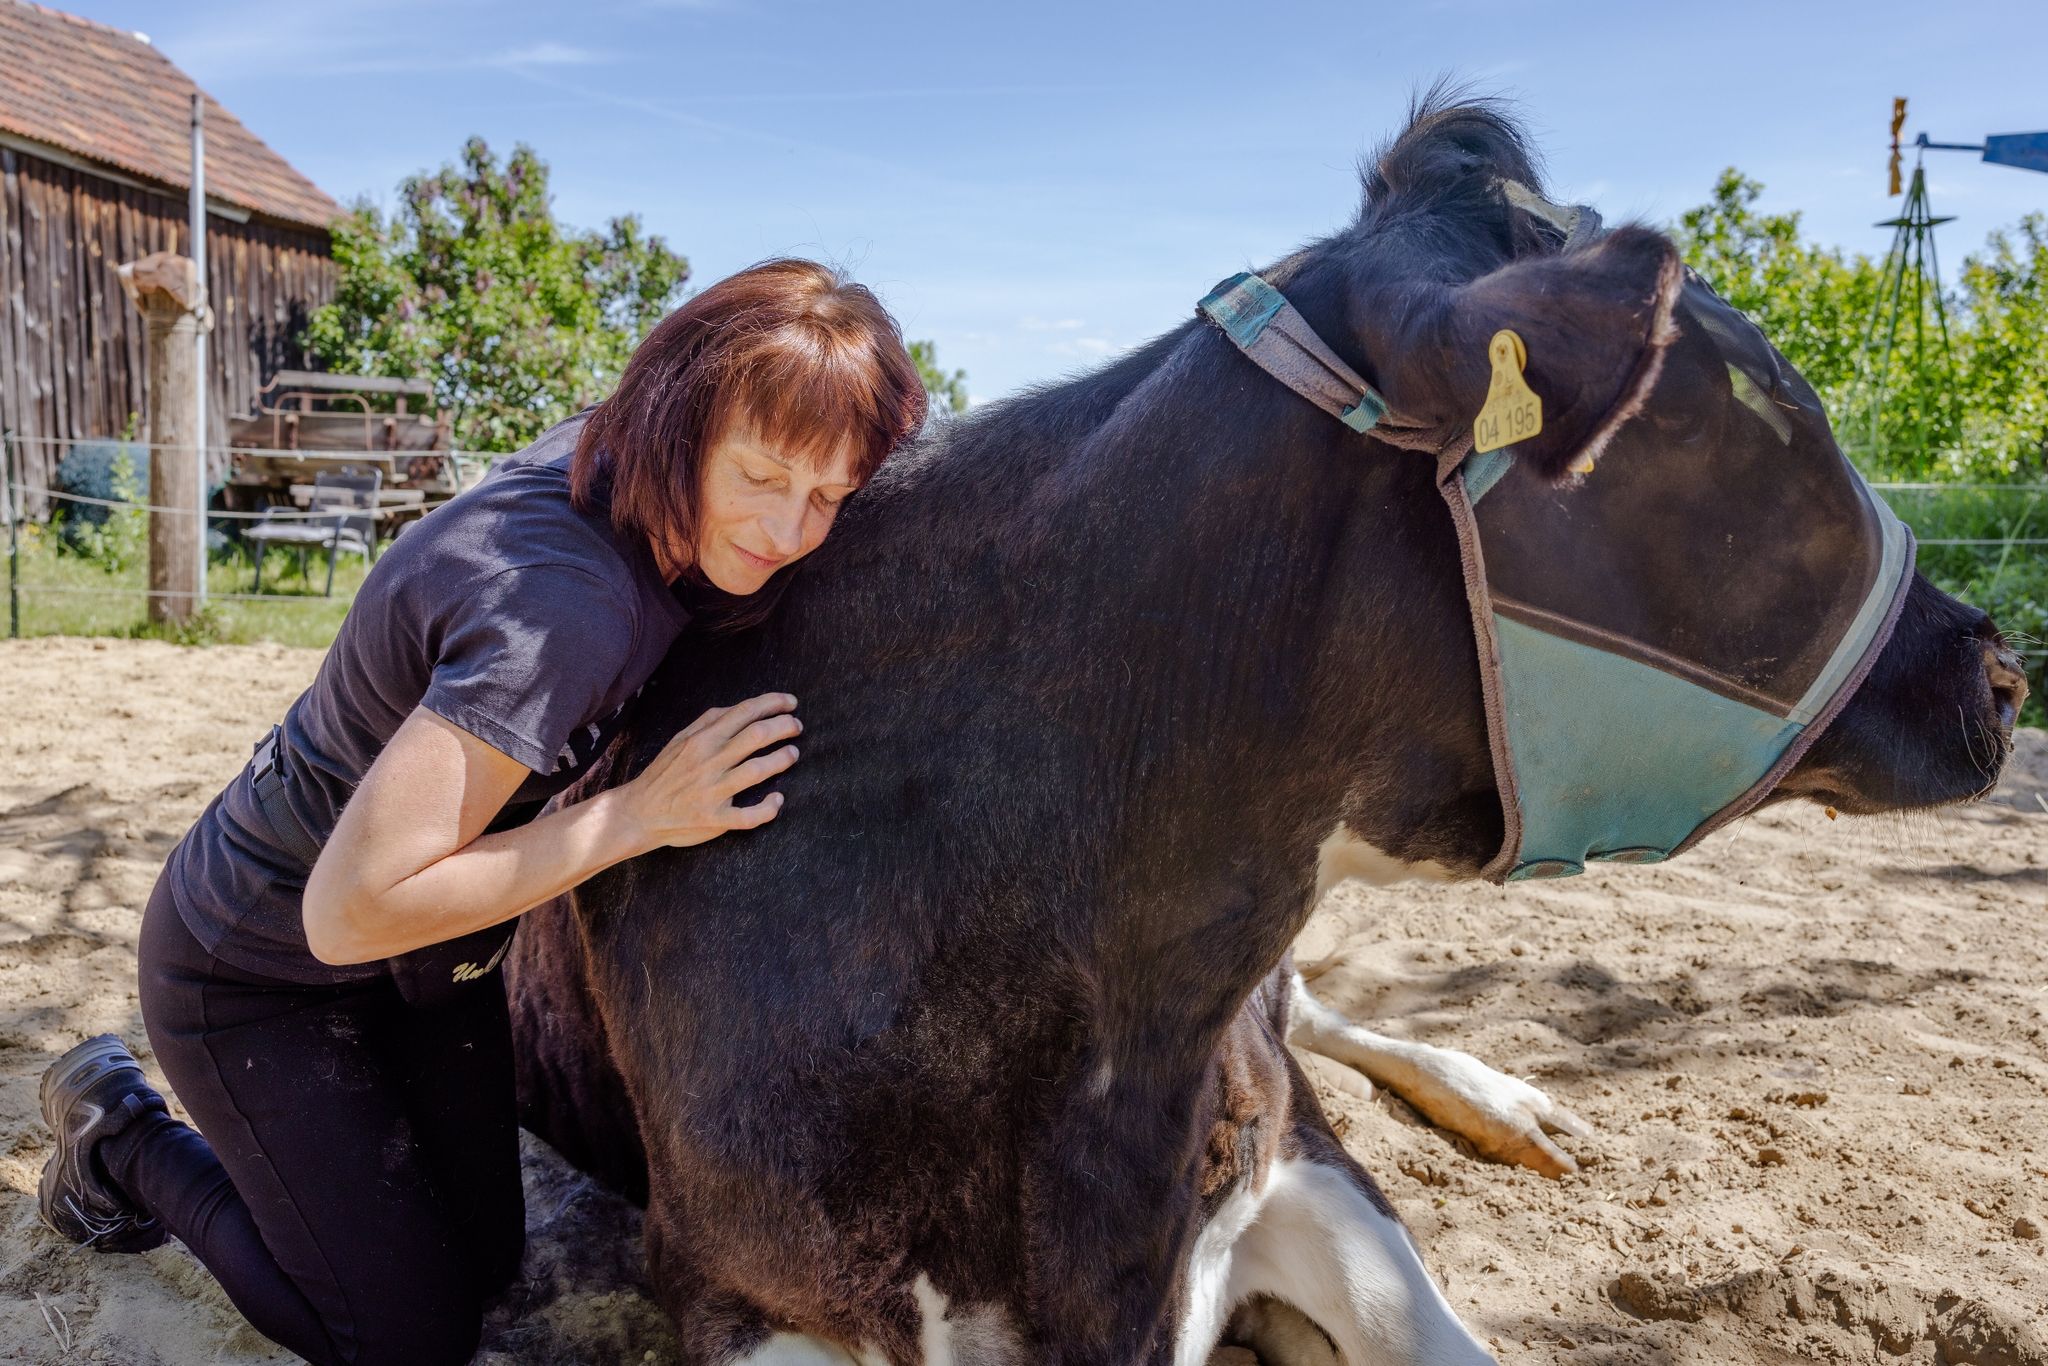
(811, 360)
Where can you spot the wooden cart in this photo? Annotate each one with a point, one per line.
(305, 422)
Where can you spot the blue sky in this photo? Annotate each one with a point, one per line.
(1038, 185)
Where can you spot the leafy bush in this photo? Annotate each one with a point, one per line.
(113, 538)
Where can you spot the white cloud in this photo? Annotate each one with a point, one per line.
(544, 54)
(355, 41)
(1035, 324)
(1501, 70)
(532, 56)
(1091, 348)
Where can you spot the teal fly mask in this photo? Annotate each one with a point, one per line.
(1661, 639)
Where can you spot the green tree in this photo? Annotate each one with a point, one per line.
(1807, 299)
(2002, 352)
(1980, 412)
(1985, 412)
(948, 388)
(518, 320)
(1814, 303)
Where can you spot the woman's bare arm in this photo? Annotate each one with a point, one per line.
(408, 864)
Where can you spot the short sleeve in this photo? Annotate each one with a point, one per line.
(529, 658)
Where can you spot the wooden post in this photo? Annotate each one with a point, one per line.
(196, 215)
(166, 288)
(7, 449)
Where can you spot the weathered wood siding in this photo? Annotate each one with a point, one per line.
(71, 345)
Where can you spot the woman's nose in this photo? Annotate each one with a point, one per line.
(785, 530)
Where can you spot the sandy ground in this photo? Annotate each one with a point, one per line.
(1814, 1054)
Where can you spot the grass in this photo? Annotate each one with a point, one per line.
(80, 596)
(2002, 576)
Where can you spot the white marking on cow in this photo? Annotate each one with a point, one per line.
(1343, 855)
(1320, 1245)
(800, 1349)
(934, 1334)
(1099, 1079)
(967, 1335)
(1208, 1282)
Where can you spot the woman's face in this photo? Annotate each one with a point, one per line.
(762, 508)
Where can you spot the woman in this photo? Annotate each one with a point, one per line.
(318, 959)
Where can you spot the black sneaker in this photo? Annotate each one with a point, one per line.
(92, 1093)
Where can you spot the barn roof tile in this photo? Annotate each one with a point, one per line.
(107, 95)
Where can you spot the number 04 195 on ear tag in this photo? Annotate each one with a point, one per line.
(1512, 412)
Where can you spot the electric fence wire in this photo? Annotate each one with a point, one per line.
(20, 491)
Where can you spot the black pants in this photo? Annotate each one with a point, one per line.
(357, 1189)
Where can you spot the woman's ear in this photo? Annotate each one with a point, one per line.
(1594, 324)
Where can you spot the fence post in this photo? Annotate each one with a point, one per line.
(166, 288)
(7, 449)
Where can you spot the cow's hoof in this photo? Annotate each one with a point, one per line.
(1503, 1117)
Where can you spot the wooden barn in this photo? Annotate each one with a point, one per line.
(95, 156)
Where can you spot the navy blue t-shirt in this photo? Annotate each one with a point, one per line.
(508, 613)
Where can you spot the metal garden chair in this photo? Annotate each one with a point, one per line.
(351, 495)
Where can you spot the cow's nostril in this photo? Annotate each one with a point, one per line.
(2008, 682)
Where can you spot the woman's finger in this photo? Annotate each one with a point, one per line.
(762, 734)
(760, 770)
(706, 719)
(757, 814)
(743, 714)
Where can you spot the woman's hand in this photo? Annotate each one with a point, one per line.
(409, 864)
(686, 795)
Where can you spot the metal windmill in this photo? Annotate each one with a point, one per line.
(1912, 273)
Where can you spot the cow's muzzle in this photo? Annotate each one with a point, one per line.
(2005, 673)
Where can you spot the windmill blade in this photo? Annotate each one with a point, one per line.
(1898, 122)
(2028, 151)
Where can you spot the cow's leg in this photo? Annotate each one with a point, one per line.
(569, 1091)
(1326, 1244)
(1504, 1117)
(1281, 1335)
(1301, 1227)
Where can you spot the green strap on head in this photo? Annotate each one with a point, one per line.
(1261, 323)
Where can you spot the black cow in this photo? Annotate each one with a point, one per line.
(977, 1054)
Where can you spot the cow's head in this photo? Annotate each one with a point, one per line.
(1720, 535)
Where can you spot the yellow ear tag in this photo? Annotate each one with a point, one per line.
(1512, 412)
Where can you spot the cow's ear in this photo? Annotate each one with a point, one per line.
(1594, 324)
